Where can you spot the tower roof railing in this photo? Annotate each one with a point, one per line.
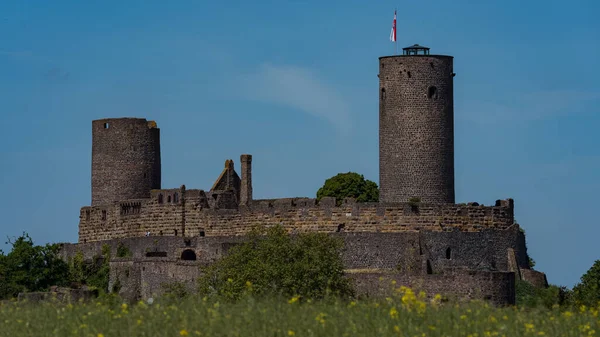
(415, 49)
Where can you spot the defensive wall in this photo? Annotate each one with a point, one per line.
(181, 212)
(478, 264)
(473, 264)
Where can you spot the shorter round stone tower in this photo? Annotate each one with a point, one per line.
(416, 127)
(125, 159)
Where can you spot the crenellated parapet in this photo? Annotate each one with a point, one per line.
(181, 212)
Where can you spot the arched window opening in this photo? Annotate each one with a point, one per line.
(341, 227)
(429, 268)
(382, 93)
(176, 197)
(175, 232)
(160, 198)
(432, 92)
(188, 255)
(448, 253)
(169, 199)
(106, 125)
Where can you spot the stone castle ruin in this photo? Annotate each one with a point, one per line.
(415, 234)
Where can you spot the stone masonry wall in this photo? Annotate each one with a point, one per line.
(416, 128)
(419, 258)
(181, 212)
(408, 252)
(496, 287)
(125, 159)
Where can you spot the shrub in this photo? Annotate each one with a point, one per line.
(93, 273)
(123, 251)
(273, 262)
(528, 295)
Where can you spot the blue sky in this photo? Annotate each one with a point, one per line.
(294, 83)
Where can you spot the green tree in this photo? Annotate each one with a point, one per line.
(29, 267)
(351, 185)
(588, 290)
(273, 262)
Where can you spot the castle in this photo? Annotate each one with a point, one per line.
(415, 235)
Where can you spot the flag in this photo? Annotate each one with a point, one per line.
(393, 33)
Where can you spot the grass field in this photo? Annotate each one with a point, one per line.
(406, 314)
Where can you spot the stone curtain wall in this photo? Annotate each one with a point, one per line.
(406, 252)
(496, 287)
(402, 256)
(178, 212)
(416, 128)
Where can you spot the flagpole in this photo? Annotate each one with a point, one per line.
(395, 35)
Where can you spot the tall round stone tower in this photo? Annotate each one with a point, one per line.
(416, 127)
(125, 159)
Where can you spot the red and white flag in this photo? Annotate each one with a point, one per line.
(393, 33)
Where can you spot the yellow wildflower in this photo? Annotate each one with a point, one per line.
(393, 313)
(320, 318)
(291, 333)
(183, 332)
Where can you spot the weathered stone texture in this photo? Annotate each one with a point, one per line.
(246, 184)
(60, 294)
(415, 256)
(125, 159)
(495, 287)
(416, 128)
(178, 212)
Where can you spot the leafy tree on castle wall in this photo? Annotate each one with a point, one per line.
(349, 185)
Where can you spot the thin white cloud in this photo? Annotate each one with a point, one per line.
(298, 88)
(528, 107)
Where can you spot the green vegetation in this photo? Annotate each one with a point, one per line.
(587, 292)
(275, 284)
(30, 268)
(273, 262)
(404, 314)
(349, 185)
(529, 296)
(93, 273)
(123, 251)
